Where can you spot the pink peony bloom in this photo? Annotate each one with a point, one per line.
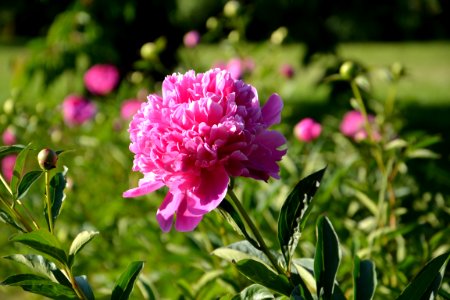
(77, 110)
(8, 163)
(129, 108)
(191, 39)
(352, 125)
(287, 71)
(101, 79)
(307, 130)
(205, 128)
(8, 137)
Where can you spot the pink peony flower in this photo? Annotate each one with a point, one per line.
(8, 137)
(8, 163)
(307, 130)
(191, 39)
(129, 108)
(101, 79)
(352, 125)
(77, 110)
(205, 128)
(287, 71)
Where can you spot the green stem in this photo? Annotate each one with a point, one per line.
(48, 200)
(390, 100)
(255, 231)
(74, 284)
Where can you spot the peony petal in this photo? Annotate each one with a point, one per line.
(166, 211)
(271, 111)
(146, 185)
(186, 221)
(209, 193)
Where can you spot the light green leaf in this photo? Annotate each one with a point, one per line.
(43, 241)
(26, 182)
(326, 259)
(241, 250)
(5, 217)
(79, 242)
(261, 274)
(254, 291)
(41, 285)
(125, 283)
(295, 212)
(426, 284)
(18, 169)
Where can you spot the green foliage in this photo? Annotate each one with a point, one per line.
(125, 283)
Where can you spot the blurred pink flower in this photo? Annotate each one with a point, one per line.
(101, 79)
(237, 67)
(307, 130)
(191, 39)
(77, 110)
(352, 125)
(205, 128)
(129, 108)
(287, 70)
(8, 137)
(8, 163)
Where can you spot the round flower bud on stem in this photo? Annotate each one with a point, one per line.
(348, 70)
(47, 159)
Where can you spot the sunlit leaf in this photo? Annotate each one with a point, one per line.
(57, 186)
(125, 283)
(326, 259)
(241, 250)
(5, 217)
(254, 291)
(295, 212)
(261, 274)
(79, 242)
(41, 285)
(18, 169)
(26, 182)
(43, 241)
(6, 150)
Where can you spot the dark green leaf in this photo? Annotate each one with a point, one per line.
(41, 265)
(85, 287)
(43, 241)
(231, 215)
(426, 284)
(326, 259)
(364, 279)
(295, 212)
(57, 185)
(41, 285)
(79, 242)
(125, 283)
(261, 274)
(186, 289)
(301, 293)
(146, 288)
(5, 150)
(26, 182)
(254, 291)
(18, 169)
(5, 217)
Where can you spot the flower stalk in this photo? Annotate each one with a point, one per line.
(48, 201)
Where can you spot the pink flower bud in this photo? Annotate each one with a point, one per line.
(77, 110)
(47, 159)
(101, 79)
(353, 126)
(8, 163)
(8, 137)
(129, 108)
(191, 39)
(287, 71)
(307, 130)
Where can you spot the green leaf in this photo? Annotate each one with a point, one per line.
(295, 212)
(241, 250)
(18, 169)
(41, 265)
(364, 279)
(326, 259)
(79, 242)
(26, 182)
(6, 150)
(186, 288)
(85, 287)
(254, 291)
(300, 293)
(5, 217)
(43, 241)
(57, 185)
(230, 214)
(426, 284)
(125, 283)
(147, 289)
(41, 285)
(261, 274)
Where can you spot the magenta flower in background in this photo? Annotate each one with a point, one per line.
(352, 125)
(101, 79)
(191, 39)
(77, 110)
(307, 130)
(205, 128)
(8, 137)
(129, 108)
(287, 70)
(8, 163)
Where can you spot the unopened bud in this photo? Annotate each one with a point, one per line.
(231, 8)
(149, 51)
(348, 70)
(397, 70)
(47, 159)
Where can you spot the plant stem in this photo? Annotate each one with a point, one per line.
(255, 231)
(74, 284)
(48, 200)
